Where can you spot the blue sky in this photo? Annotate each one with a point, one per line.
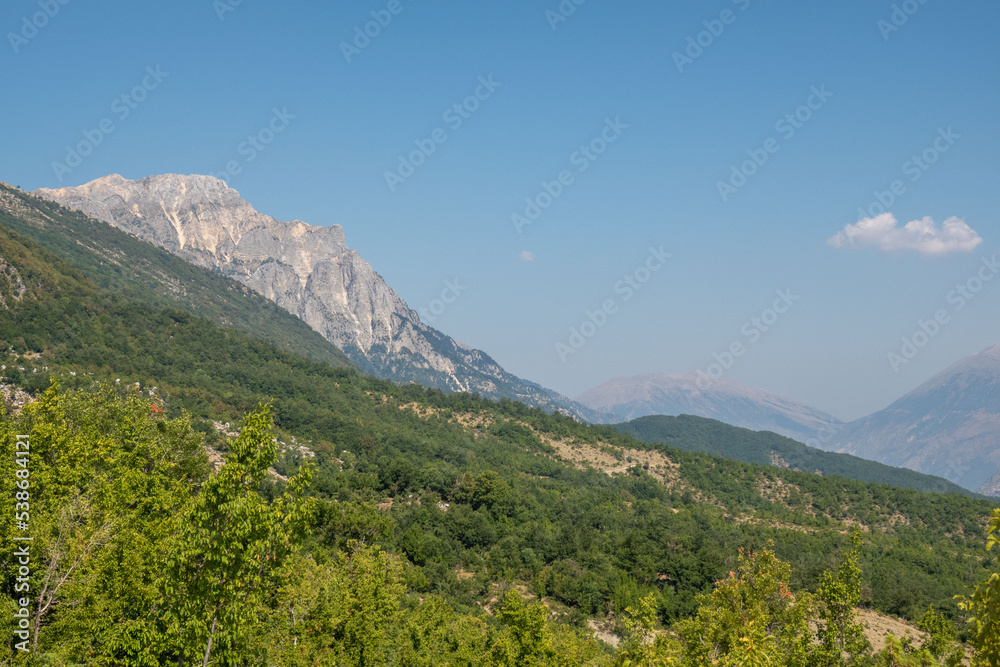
(681, 127)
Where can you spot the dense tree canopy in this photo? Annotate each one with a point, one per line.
(142, 556)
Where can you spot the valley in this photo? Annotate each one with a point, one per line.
(454, 502)
(559, 334)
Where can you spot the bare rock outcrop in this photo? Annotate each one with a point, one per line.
(309, 271)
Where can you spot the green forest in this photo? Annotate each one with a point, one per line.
(146, 554)
(203, 494)
(708, 435)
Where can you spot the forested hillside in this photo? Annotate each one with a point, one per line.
(139, 271)
(714, 437)
(377, 524)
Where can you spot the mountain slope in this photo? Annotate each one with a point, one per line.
(310, 272)
(949, 426)
(130, 267)
(698, 434)
(724, 400)
(587, 516)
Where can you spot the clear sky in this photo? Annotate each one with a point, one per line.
(682, 93)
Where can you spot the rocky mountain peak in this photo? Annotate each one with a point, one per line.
(988, 358)
(194, 215)
(949, 426)
(307, 270)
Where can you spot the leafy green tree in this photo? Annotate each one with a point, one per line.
(492, 492)
(751, 619)
(369, 587)
(434, 634)
(899, 654)
(983, 606)
(337, 613)
(644, 647)
(228, 554)
(107, 473)
(842, 637)
(527, 639)
(940, 633)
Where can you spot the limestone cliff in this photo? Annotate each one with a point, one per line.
(305, 269)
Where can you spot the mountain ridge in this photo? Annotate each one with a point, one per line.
(699, 434)
(701, 395)
(134, 268)
(307, 270)
(451, 482)
(948, 426)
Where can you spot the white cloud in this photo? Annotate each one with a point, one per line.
(527, 256)
(883, 232)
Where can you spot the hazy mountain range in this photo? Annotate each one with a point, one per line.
(702, 396)
(770, 449)
(948, 426)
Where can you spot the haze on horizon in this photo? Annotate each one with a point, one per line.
(808, 185)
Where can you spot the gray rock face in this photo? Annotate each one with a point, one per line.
(725, 400)
(306, 270)
(949, 426)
